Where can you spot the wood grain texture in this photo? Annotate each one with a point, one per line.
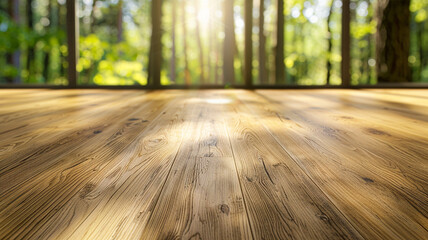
(214, 164)
(282, 201)
(201, 198)
(71, 171)
(376, 184)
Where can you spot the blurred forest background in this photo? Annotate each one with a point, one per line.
(195, 42)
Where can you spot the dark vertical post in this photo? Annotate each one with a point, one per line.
(72, 40)
(120, 22)
(262, 44)
(279, 51)
(174, 20)
(14, 58)
(393, 41)
(346, 44)
(248, 58)
(228, 44)
(155, 57)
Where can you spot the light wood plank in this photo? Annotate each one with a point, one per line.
(40, 197)
(21, 166)
(124, 197)
(202, 197)
(360, 185)
(282, 201)
(56, 121)
(406, 155)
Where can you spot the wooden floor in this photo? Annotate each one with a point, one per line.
(214, 164)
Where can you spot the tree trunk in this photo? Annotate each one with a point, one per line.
(262, 44)
(294, 43)
(419, 36)
(229, 43)
(201, 51)
(155, 60)
(48, 52)
(13, 58)
(248, 63)
(120, 21)
(174, 19)
(330, 45)
(186, 60)
(61, 25)
(393, 41)
(345, 66)
(210, 42)
(92, 17)
(279, 53)
(367, 53)
(218, 48)
(30, 23)
(424, 48)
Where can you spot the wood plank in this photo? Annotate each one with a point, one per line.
(363, 189)
(39, 107)
(411, 93)
(40, 197)
(376, 105)
(20, 166)
(123, 196)
(202, 197)
(406, 149)
(282, 201)
(44, 123)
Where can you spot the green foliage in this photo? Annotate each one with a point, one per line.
(91, 52)
(11, 35)
(17, 38)
(420, 9)
(104, 63)
(104, 60)
(120, 73)
(359, 30)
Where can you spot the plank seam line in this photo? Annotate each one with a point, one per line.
(296, 162)
(165, 181)
(239, 180)
(163, 186)
(165, 107)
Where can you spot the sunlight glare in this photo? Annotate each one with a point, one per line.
(218, 101)
(204, 15)
(215, 100)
